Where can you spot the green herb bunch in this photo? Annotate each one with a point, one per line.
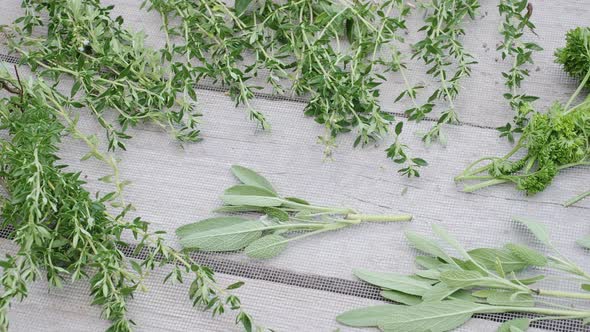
(575, 56)
(329, 52)
(210, 33)
(64, 233)
(552, 141)
(448, 290)
(449, 62)
(111, 67)
(269, 235)
(515, 24)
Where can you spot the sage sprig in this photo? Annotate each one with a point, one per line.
(449, 290)
(267, 236)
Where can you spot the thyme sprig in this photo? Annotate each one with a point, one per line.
(443, 50)
(65, 233)
(516, 23)
(111, 67)
(300, 46)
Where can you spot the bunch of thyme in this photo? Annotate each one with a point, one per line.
(515, 24)
(301, 41)
(112, 68)
(449, 62)
(63, 231)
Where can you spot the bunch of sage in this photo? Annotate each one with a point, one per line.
(267, 236)
(448, 291)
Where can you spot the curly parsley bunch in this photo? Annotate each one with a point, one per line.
(553, 141)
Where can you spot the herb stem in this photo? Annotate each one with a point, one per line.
(379, 217)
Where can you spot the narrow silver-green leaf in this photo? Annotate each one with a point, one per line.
(506, 298)
(439, 292)
(275, 213)
(466, 279)
(239, 208)
(427, 245)
(249, 177)
(447, 237)
(248, 190)
(367, 317)
(220, 234)
(400, 297)
(584, 242)
(487, 257)
(266, 247)
(428, 262)
(515, 325)
(259, 201)
(394, 281)
(528, 255)
(538, 230)
(429, 316)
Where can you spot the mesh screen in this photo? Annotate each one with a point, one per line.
(308, 285)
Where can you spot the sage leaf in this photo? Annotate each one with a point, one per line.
(297, 200)
(259, 201)
(429, 316)
(266, 247)
(400, 297)
(239, 208)
(515, 325)
(439, 292)
(528, 255)
(429, 274)
(427, 245)
(428, 262)
(220, 234)
(394, 281)
(464, 279)
(501, 298)
(367, 317)
(443, 234)
(584, 242)
(538, 230)
(487, 257)
(248, 190)
(275, 213)
(246, 175)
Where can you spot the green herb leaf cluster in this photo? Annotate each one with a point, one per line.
(267, 236)
(516, 23)
(335, 54)
(111, 67)
(63, 232)
(551, 142)
(442, 50)
(448, 290)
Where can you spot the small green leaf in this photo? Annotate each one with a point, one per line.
(539, 230)
(241, 6)
(259, 201)
(246, 175)
(427, 245)
(367, 317)
(266, 247)
(487, 257)
(277, 214)
(515, 325)
(429, 316)
(506, 298)
(248, 190)
(584, 242)
(527, 254)
(400, 297)
(220, 234)
(394, 281)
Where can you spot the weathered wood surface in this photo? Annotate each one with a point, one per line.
(173, 186)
